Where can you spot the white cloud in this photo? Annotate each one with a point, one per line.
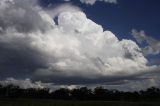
(66, 7)
(27, 83)
(82, 48)
(92, 2)
(33, 45)
(153, 45)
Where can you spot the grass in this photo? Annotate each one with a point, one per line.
(43, 102)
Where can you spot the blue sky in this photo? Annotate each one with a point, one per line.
(122, 17)
(128, 14)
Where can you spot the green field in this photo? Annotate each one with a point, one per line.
(40, 102)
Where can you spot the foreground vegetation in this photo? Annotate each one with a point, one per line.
(48, 102)
(11, 95)
(15, 96)
(83, 94)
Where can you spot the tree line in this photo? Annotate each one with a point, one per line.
(83, 93)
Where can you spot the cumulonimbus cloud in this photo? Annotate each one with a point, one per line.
(33, 46)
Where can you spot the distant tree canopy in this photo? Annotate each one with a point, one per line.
(83, 93)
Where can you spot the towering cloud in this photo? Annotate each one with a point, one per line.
(34, 46)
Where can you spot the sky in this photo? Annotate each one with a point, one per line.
(73, 43)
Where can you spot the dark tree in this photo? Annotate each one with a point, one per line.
(61, 94)
(83, 93)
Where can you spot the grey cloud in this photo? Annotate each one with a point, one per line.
(26, 83)
(153, 45)
(147, 81)
(18, 60)
(66, 0)
(21, 16)
(92, 2)
(128, 83)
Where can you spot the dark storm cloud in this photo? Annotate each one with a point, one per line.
(17, 60)
(109, 80)
(17, 57)
(130, 83)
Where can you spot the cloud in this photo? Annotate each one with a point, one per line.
(92, 2)
(27, 83)
(66, 0)
(140, 82)
(21, 17)
(129, 83)
(66, 7)
(153, 45)
(72, 50)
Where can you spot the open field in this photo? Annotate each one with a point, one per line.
(40, 102)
